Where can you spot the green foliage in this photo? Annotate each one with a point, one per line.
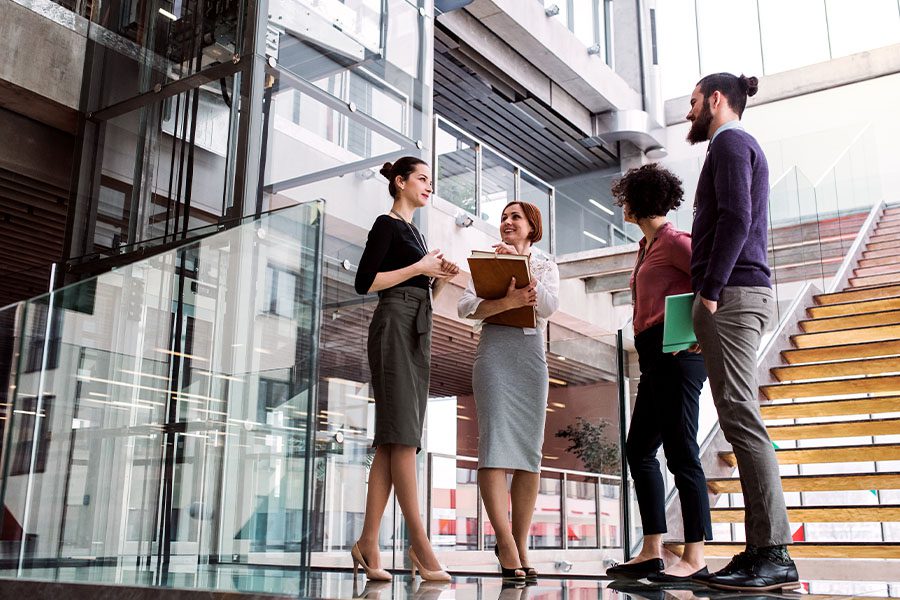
(588, 441)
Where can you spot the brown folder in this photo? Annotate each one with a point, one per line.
(491, 274)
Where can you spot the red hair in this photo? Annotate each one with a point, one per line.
(533, 216)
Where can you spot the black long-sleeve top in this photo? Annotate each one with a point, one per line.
(392, 245)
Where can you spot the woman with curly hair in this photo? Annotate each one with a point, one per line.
(667, 405)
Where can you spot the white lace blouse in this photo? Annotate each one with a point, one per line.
(545, 272)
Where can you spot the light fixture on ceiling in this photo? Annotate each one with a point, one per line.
(556, 381)
(601, 207)
(596, 238)
(167, 14)
(594, 50)
(552, 10)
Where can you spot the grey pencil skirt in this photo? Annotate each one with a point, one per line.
(510, 381)
(399, 350)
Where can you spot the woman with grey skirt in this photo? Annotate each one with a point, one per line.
(397, 264)
(511, 382)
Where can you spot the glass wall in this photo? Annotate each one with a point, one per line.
(161, 412)
(480, 181)
(697, 37)
(588, 20)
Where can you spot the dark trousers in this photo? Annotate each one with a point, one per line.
(666, 413)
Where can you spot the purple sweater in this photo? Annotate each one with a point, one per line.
(731, 214)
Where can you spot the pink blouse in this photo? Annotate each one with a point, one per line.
(663, 270)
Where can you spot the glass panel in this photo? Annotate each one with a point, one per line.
(858, 26)
(454, 503)
(584, 208)
(679, 57)
(794, 34)
(546, 526)
(160, 411)
(456, 166)
(724, 47)
(139, 46)
(365, 52)
(532, 189)
(498, 185)
(581, 511)
(163, 172)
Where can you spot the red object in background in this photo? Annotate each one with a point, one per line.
(800, 534)
(10, 529)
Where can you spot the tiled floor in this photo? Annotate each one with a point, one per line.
(343, 586)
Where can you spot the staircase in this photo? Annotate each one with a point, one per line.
(834, 411)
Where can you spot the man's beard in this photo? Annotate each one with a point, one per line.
(700, 127)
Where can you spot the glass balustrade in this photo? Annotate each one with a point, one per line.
(159, 414)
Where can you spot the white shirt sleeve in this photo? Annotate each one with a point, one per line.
(547, 290)
(468, 303)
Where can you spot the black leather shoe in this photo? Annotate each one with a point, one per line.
(764, 569)
(637, 570)
(693, 579)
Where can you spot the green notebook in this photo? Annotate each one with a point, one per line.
(678, 327)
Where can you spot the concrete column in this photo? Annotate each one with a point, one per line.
(630, 156)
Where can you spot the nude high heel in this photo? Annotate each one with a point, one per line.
(425, 573)
(371, 574)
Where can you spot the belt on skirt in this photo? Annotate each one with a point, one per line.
(417, 294)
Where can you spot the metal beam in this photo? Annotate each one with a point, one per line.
(161, 92)
(348, 109)
(342, 169)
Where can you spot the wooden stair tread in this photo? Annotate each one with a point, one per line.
(829, 454)
(872, 254)
(817, 483)
(841, 351)
(857, 513)
(811, 549)
(844, 322)
(832, 387)
(875, 333)
(867, 263)
(854, 308)
(871, 280)
(831, 408)
(834, 429)
(851, 295)
(884, 235)
(891, 269)
(883, 244)
(844, 368)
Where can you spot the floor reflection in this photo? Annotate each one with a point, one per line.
(331, 585)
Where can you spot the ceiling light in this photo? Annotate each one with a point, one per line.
(594, 237)
(558, 381)
(601, 207)
(167, 14)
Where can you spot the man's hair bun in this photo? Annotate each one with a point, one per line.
(750, 84)
(386, 170)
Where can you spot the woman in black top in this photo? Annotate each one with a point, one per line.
(397, 264)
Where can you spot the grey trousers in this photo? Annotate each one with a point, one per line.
(729, 340)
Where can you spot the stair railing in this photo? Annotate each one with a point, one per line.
(851, 258)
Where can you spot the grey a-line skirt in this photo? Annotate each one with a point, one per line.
(511, 383)
(399, 350)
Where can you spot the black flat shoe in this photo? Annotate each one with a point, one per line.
(695, 577)
(638, 570)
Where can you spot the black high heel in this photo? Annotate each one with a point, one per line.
(509, 574)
